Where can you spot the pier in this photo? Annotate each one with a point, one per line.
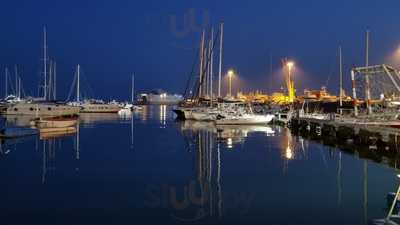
(345, 130)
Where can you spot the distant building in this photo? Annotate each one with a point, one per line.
(159, 97)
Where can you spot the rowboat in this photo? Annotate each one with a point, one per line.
(54, 122)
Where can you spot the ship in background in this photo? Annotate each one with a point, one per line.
(159, 97)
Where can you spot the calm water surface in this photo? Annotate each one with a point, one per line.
(146, 168)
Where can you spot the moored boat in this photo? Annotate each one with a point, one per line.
(55, 122)
(38, 108)
(244, 119)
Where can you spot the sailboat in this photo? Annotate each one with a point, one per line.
(92, 105)
(200, 106)
(38, 107)
(131, 106)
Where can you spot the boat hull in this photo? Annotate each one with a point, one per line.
(39, 109)
(55, 123)
(204, 116)
(245, 120)
(100, 108)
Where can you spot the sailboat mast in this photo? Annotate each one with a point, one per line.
(367, 84)
(50, 79)
(55, 81)
(133, 88)
(220, 58)
(45, 61)
(201, 63)
(209, 67)
(16, 80)
(77, 85)
(211, 64)
(19, 87)
(340, 79)
(6, 82)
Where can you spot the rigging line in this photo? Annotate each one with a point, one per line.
(332, 70)
(10, 82)
(89, 92)
(72, 86)
(189, 80)
(200, 82)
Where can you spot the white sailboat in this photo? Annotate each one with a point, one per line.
(128, 107)
(92, 105)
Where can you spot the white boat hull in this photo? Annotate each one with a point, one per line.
(245, 120)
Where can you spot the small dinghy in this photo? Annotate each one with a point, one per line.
(55, 122)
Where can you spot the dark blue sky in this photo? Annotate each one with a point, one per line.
(112, 39)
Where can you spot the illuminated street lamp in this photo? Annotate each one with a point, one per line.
(230, 75)
(290, 83)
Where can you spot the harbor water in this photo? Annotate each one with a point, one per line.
(147, 168)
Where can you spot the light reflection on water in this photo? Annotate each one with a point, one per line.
(145, 167)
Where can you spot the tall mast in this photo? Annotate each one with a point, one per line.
(77, 85)
(50, 79)
(209, 67)
(367, 49)
(16, 80)
(6, 82)
(201, 63)
(220, 58)
(54, 80)
(19, 87)
(133, 88)
(45, 61)
(367, 84)
(340, 79)
(211, 64)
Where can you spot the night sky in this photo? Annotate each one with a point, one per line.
(113, 39)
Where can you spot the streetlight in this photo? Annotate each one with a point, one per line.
(290, 83)
(230, 75)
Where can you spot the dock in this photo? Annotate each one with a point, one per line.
(348, 129)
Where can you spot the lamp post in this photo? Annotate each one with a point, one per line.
(230, 75)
